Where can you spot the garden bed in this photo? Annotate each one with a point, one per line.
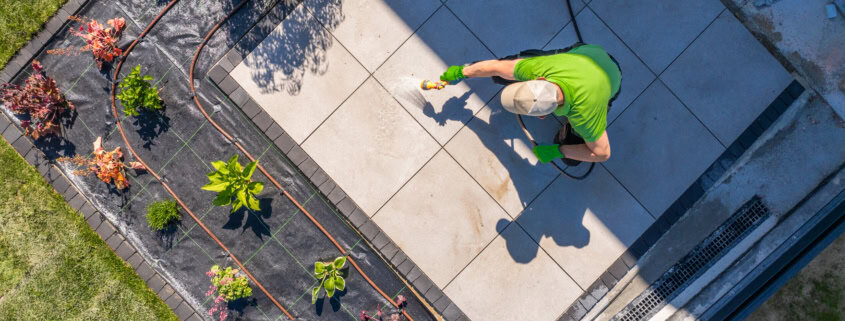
(277, 244)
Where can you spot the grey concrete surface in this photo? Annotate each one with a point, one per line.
(441, 192)
(658, 137)
(715, 74)
(658, 30)
(800, 32)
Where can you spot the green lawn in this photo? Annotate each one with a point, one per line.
(52, 265)
(19, 20)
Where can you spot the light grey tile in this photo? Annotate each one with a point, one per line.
(496, 152)
(496, 287)
(585, 225)
(442, 192)
(299, 74)
(635, 75)
(508, 27)
(372, 30)
(657, 137)
(425, 56)
(370, 146)
(726, 77)
(657, 30)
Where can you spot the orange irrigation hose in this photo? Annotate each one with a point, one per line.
(261, 168)
(164, 184)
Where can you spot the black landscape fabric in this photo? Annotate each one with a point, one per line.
(278, 244)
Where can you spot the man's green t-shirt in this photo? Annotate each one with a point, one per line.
(588, 78)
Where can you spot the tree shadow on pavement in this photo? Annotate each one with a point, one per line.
(300, 46)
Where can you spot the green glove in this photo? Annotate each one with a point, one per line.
(453, 75)
(547, 153)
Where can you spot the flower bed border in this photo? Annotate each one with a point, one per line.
(97, 221)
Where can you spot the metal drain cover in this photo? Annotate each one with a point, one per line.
(710, 250)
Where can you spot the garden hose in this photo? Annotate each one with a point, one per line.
(159, 178)
(238, 145)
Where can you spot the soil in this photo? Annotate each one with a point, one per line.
(815, 293)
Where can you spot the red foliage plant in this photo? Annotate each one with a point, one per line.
(40, 99)
(101, 41)
(108, 166)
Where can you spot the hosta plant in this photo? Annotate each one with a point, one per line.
(234, 185)
(160, 214)
(136, 93)
(39, 99)
(229, 286)
(100, 40)
(329, 275)
(108, 166)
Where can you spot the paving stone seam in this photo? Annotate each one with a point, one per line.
(105, 229)
(299, 157)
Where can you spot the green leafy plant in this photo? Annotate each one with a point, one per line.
(229, 286)
(136, 92)
(234, 185)
(162, 213)
(329, 275)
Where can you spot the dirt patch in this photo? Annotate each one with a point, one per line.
(815, 293)
(809, 69)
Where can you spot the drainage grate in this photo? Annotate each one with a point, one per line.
(696, 262)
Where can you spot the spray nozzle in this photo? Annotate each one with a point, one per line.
(428, 84)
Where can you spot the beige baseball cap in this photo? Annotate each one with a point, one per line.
(533, 97)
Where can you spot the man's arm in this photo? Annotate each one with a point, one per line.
(485, 68)
(489, 68)
(598, 151)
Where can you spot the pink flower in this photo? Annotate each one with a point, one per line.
(364, 316)
(378, 310)
(400, 300)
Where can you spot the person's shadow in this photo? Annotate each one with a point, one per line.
(500, 135)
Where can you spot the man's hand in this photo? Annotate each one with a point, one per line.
(453, 75)
(547, 153)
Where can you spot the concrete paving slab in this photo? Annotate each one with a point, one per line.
(425, 56)
(657, 137)
(442, 192)
(726, 78)
(299, 74)
(496, 287)
(635, 75)
(657, 30)
(495, 151)
(372, 30)
(585, 225)
(370, 146)
(508, 27)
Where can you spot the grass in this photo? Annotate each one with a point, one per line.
(53, 266)
(817, 292)
(19, 20)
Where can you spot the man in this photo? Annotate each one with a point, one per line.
(576, 82)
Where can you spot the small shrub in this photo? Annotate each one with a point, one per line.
(101, 41)
(234, 185)
(108, 166)
(162, 213)
(136, 93)
(40, 99)
(329, 275)
(229, 286)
